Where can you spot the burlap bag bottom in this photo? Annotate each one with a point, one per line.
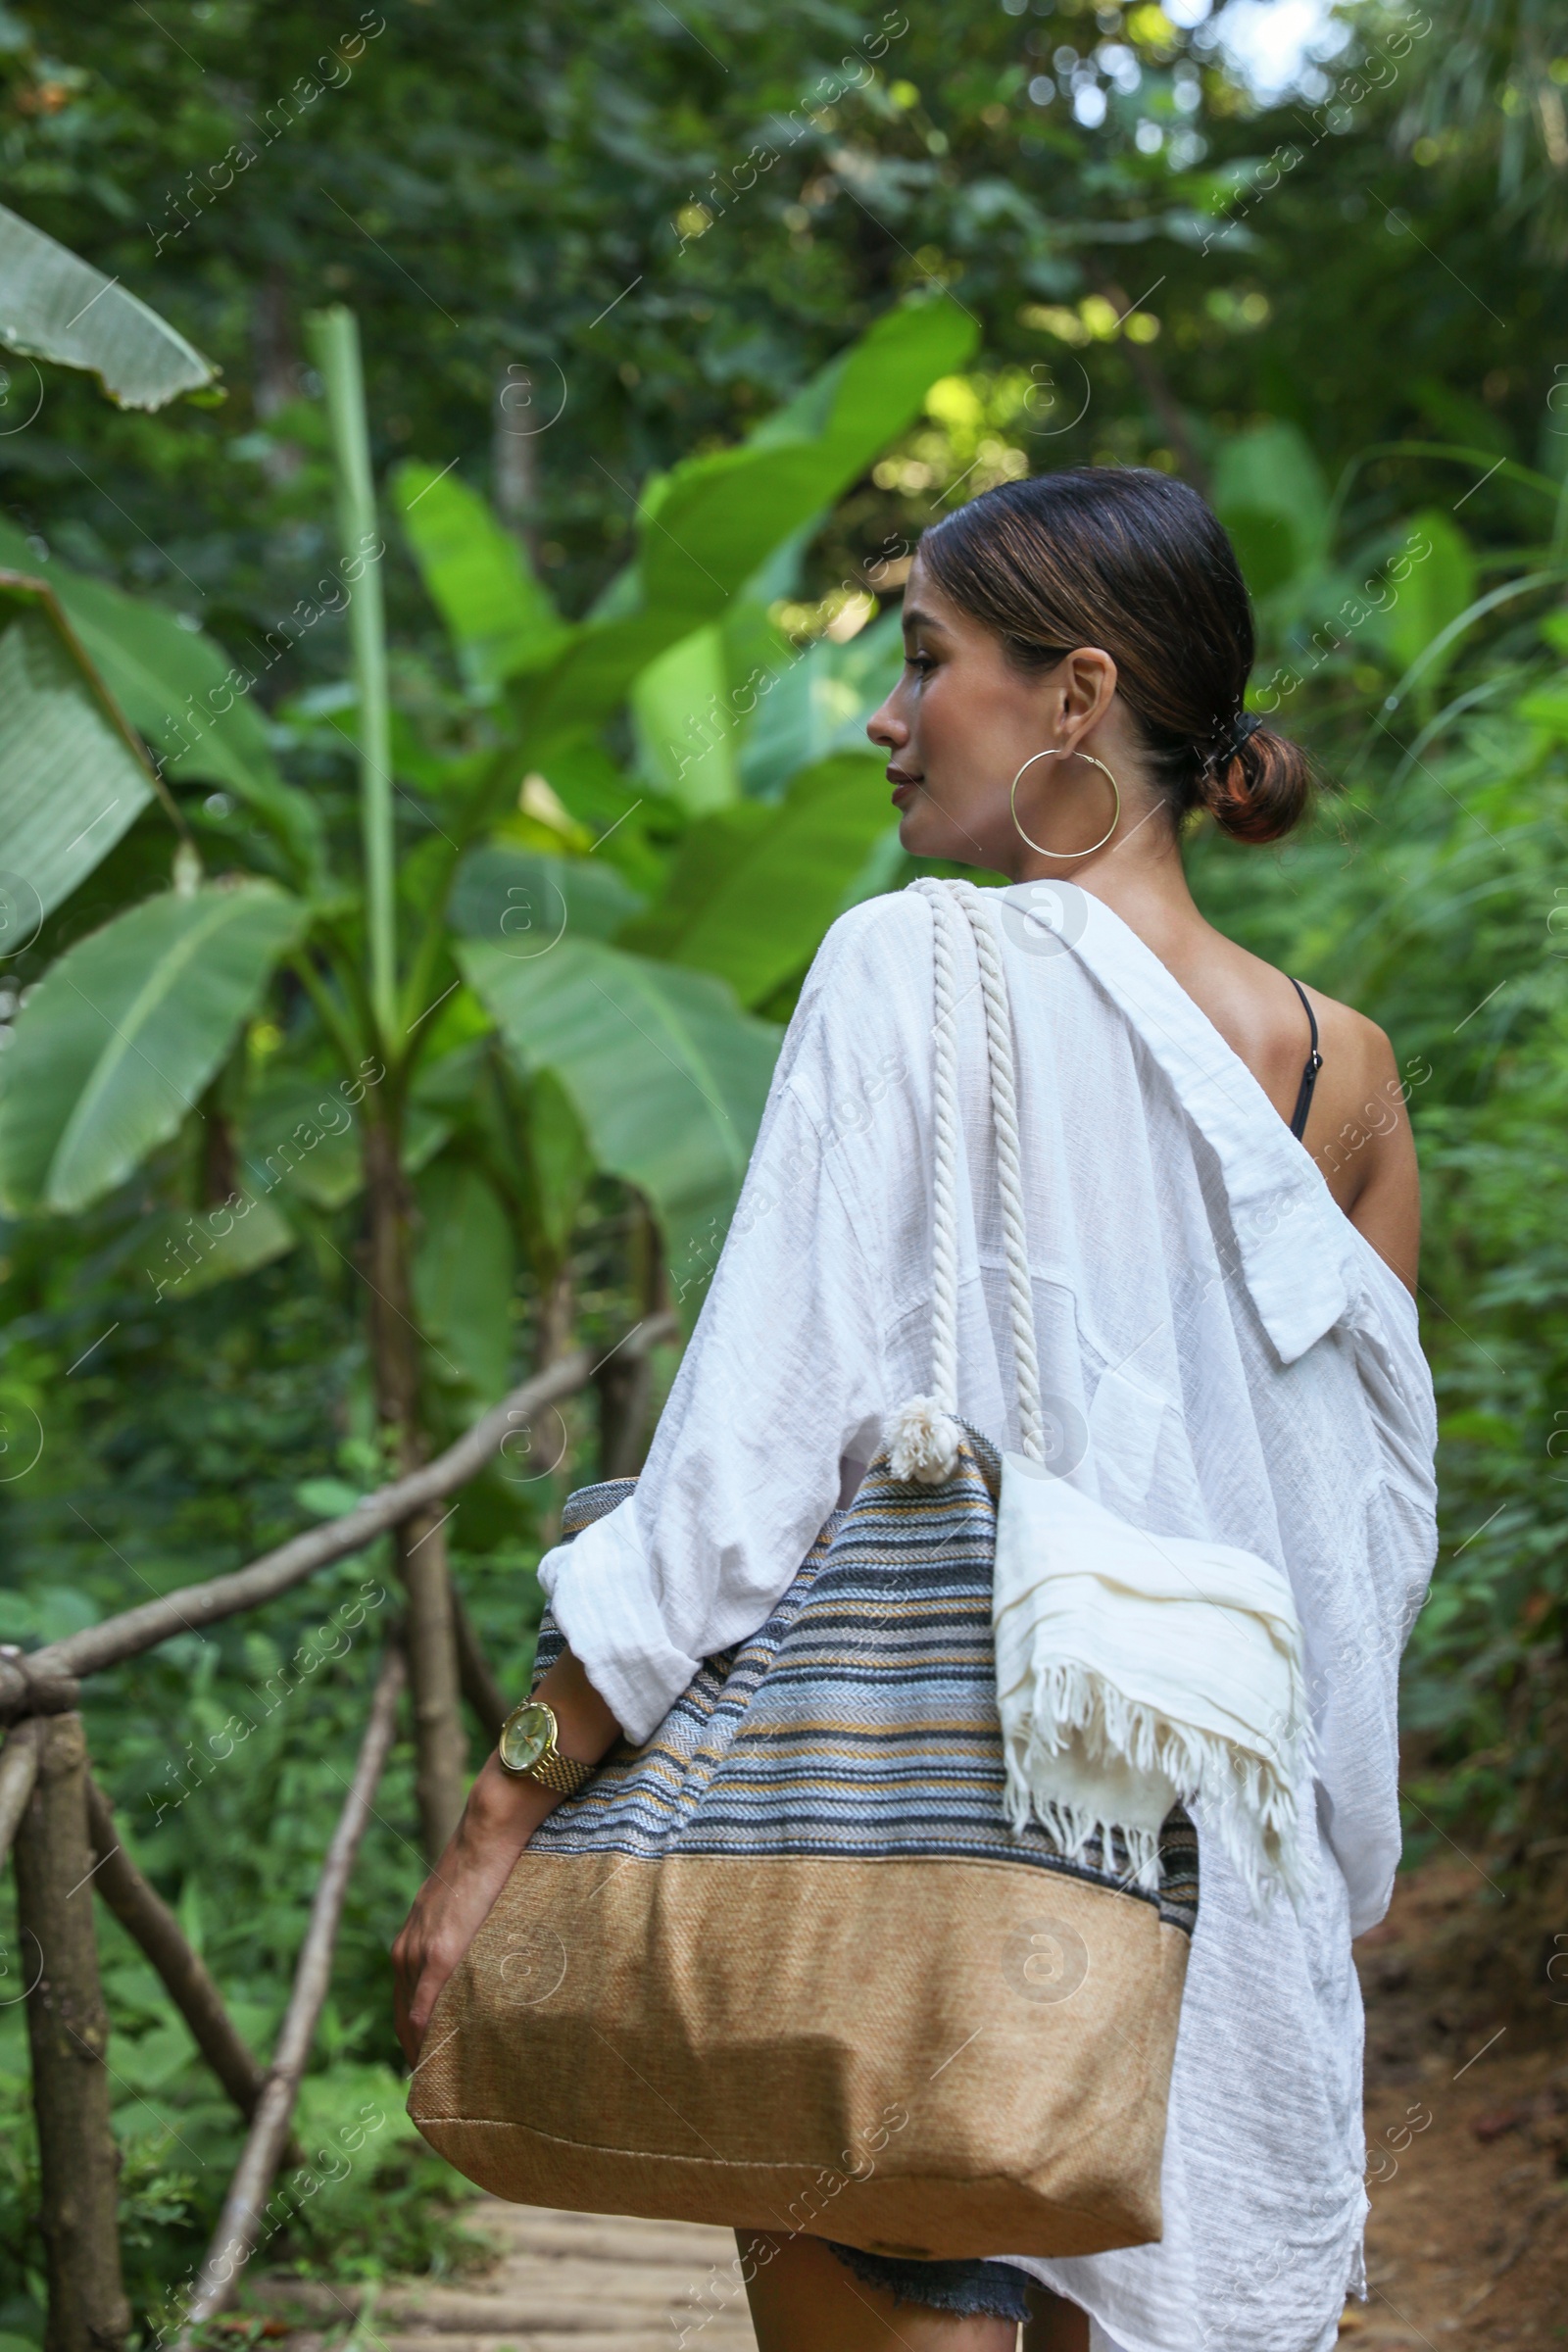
(931, 2057)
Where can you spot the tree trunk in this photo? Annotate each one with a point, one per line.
(558, 1310)
(623, 1389)
(218, 1176)
(1159, 394)
(419, 1543)
(514, 445)
(480, 1688)
(277, 370)
(441, 1745)
(67, 2029)
(625, 1381)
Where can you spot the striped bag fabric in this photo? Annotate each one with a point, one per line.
(787, 1966)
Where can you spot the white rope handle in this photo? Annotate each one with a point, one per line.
(924, 1442)
(945, 1241)
(1010, 1166)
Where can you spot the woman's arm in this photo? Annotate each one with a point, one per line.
(501, 1814)
(1360, 1136)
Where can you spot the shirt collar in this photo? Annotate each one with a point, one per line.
(1297, 1249)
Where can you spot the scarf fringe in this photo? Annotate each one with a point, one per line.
(922, 1442)
(1249, 1800)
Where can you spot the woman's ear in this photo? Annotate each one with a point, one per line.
(1088, 685)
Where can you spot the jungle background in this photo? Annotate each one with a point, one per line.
(588, 253)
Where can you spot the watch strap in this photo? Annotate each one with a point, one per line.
(563, 1774)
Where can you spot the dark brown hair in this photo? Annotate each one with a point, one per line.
(1134, 562)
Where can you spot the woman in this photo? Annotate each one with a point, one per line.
(1233, 1333)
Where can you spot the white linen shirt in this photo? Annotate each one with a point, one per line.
(1222, 1356)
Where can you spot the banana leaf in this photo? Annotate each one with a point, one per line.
(55, 306)
(707, 526)
(72, 778)
(665, 1073)
(755, 886)
(111, 1048)
(465, 1269)
(500, 615)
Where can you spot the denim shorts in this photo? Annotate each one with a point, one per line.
(994, 2288)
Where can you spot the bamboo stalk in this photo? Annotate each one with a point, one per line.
(145, 1917)
(38, 1681)
(239, 2224)
(334, 341)
(67, 2030)
(19, 1769)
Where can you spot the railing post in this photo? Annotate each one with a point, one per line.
(67, 2029)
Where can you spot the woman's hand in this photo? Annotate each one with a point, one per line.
(452, 1906)
(501, 1814)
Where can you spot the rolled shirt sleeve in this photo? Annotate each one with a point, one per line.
(782, 1380)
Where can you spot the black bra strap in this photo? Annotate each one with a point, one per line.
(1315, 1063)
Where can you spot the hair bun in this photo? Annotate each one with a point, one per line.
(1259, 786)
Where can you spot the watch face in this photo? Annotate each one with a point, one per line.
(526, 1736)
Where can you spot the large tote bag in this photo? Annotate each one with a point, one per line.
(786, 1966)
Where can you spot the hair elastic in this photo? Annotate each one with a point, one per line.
(1246, 727)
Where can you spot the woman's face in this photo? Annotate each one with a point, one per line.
(962, 721)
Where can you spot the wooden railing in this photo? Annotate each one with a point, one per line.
(59, 1826)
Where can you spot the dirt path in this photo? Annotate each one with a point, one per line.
(1467, 2130)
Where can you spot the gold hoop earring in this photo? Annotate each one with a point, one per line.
(1054, 753)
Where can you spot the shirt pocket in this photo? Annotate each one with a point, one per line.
(1125, 1423)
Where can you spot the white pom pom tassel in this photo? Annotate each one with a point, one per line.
(923, 1442)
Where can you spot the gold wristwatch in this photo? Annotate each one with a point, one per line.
(528, 1749)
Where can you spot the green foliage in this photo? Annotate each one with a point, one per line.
(58, 307)
(710, 523)
(557, 1170)
(688, 680)
(528, 897)
(463, 1276)
(122, 1034)
(299, 1133)
(174, 1453)
(1270, 495)
(115, 1044)
(157, 671)
(72, 778)
(819, 702)
(1440, 588)
(755, 886)
(716, 518)
(183, 1251)
(667, 1079)
(501, 620)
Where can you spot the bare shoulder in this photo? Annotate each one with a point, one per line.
(1358, 1127)
(1359, 1133)
(1356, 1053)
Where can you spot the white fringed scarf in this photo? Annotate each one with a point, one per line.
(1134, 1670)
